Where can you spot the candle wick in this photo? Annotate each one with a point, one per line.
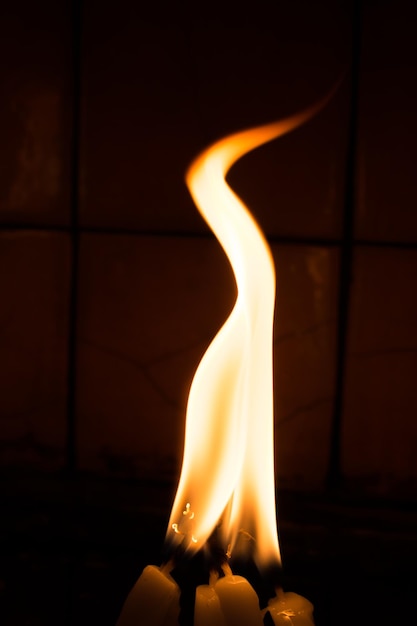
(227, 570)
(166, 568)
(279, 592)
(213, 578)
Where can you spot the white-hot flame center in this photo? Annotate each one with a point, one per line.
(228, 464)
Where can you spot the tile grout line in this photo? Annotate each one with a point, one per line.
(71, 456)
(274, 239)
(334, 479)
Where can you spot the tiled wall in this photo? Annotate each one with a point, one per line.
(100, 241)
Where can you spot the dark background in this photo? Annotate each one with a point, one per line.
(112, 287)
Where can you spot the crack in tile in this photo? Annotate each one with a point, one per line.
(305, 331)
(365, 354)
(303, 409)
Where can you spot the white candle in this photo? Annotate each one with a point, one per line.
(153, 601)
(207, 611)
(238, 601)
(291, 609)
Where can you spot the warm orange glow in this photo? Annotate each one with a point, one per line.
(228, 464)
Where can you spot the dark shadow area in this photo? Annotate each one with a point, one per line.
(71, 550)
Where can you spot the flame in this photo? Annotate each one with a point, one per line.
(228, 464)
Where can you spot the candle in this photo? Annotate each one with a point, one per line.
(207, 610)
(239, 601)
(227, 601)
(290, 609)
(153, 601)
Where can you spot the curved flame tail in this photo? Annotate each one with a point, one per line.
(228, 464)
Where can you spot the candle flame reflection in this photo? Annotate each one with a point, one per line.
(228, 464)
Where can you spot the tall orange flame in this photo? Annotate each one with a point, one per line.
(228, 464)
